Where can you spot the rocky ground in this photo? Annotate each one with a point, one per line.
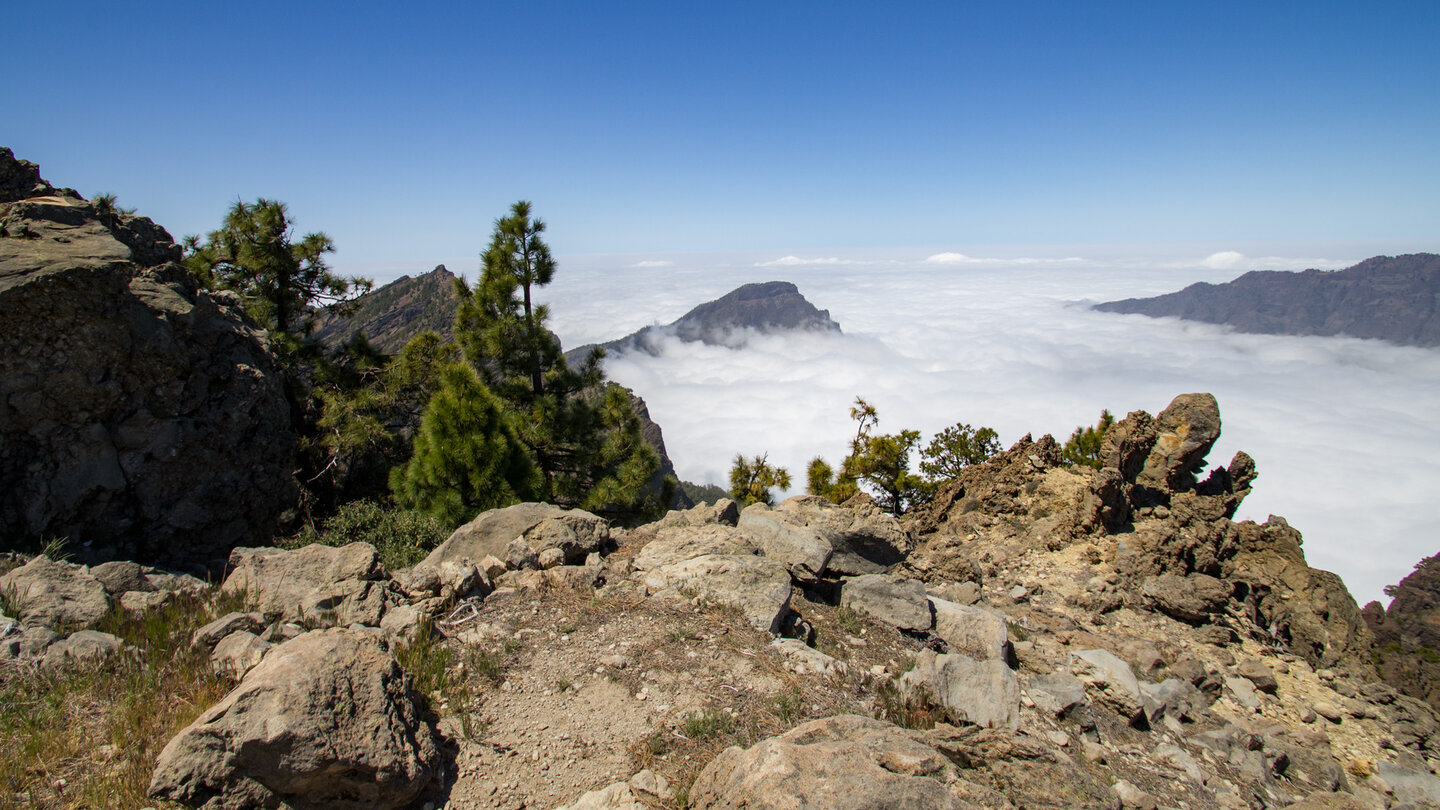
(1039, 636)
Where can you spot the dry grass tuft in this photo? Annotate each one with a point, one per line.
(89, 736)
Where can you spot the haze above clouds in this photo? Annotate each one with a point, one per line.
(1342, 430)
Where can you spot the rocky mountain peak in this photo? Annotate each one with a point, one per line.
(771, 307)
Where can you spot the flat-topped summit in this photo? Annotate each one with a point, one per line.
(1389, 298)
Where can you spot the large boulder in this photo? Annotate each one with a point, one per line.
(574, 532)
(138, 414)
(836, 763)
(974, 631)
(314, 585)
(757, 587)
(675, 544)
(802, 550)
(327, 720)
(55, 594)
(984, 693)
(860, 537)
(895, 600)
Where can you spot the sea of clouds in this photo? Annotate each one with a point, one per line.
(1344, 431)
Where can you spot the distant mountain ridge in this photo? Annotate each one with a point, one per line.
(396, 312)
(766, 307)
(1390, 298)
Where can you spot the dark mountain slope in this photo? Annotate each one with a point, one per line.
(1392, 298)
(393, 314)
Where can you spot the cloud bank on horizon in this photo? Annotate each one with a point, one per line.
(1342, 429)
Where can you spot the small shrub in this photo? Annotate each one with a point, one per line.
(913, 708)
(402, 537)
(707, 724)
(848, 620)
(787, 706)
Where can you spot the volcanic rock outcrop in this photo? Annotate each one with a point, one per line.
(1407, 633)
(140, 417)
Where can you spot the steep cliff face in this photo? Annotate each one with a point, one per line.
(1407, 634)
(139, 415)
(1392, 298)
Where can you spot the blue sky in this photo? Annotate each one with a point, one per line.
(785, 126)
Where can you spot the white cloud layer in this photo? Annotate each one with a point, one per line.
(1343, 431)
(961, 258)
(654, 263)
(796, 261)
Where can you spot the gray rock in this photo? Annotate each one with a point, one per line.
(1175, 698)
(781, 537)
(550, 558)
(894, 600)
(86, 647)
(1133, 798)
(238, 653)
(576, 533)
(841, 763)
(724, 512)
(985, 693)
(861, 537)
(757, 587)
(1258, 674)
(961, 593)
(121, 576)
(519, 556)
(315, 585)
(1244, 693)
(1109, 680)
(617, 796)
(1178, 758)
(404, 623)
(647, 781)
(140, 603)
(972, 631)
(805, 660)
(211, 634)
(1057, 693)
(1410, 785)
(55, 594)
(325, 720)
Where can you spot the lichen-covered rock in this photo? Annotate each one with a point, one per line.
(575, 532)
(757, 587)
(895, 600)
(674, 544)
(836, 763)
(316, 584)
(985, 693)
(1186, 430)
(55, 594)
(326, 720)
(138, 414)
